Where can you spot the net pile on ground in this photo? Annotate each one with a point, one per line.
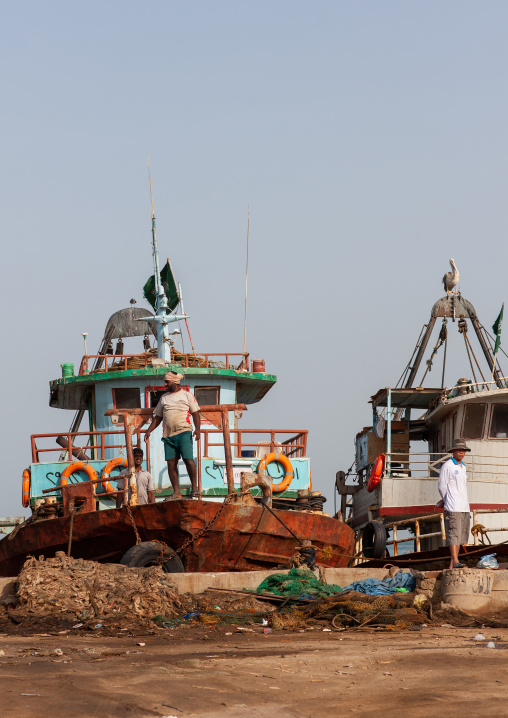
(89, 590)
(352, 610)
(224, 610)
(298, 583)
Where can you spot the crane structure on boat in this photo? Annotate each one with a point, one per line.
(399, 455)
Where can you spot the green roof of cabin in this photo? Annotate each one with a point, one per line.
(68, 392)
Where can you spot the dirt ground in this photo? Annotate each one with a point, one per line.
(218, 671)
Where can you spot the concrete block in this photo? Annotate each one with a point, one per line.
(196, 583)
(468, 589)
(499, 595)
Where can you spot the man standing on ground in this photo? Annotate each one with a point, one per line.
(175, 409)
(453, 489)
(144, 482)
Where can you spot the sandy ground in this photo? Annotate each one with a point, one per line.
(203, 671)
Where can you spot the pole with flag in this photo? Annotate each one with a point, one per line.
(496, 328)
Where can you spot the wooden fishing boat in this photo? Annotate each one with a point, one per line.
(70, 482)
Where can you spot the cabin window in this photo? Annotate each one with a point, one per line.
(126, 398)
(207, 395)
(499, 422)
(153, 395)
(474, 416)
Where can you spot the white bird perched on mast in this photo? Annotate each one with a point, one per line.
(451, 279)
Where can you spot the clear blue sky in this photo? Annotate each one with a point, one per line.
(369, 139)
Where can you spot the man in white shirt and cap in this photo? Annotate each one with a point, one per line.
(175, 409)
(452, 486)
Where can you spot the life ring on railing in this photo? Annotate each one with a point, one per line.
(25, 488)
(78, 466)
(376, 473)
(282, 459)
(106, 471)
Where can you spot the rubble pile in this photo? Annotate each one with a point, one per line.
(87, 590)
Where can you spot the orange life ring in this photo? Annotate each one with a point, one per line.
(376, 473)
(25, 488)
(106, 471)
(282, 459)
(78, 466)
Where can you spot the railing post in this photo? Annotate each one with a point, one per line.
(443, 532)
(227, 451)
(417, 533)
(395, 547)
(389, 433)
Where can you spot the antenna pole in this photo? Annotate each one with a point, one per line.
(155, 251)
(246, 282)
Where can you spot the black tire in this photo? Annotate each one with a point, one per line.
(374, 537)
(147, 553)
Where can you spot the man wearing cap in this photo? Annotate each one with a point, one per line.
(175, 409)
(144, 482)
(452, 486)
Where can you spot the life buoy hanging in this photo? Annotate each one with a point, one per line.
(376, 473)
(106, 471)
(78, 466)
(25, 488)
(282, 459)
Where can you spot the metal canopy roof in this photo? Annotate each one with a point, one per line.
(415, 398)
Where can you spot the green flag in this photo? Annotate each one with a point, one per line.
(170, 288)
(496, 328)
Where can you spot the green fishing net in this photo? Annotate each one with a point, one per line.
(298, 582)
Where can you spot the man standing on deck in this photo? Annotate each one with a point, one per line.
(175, 409)
(453, 489)
(144, 482)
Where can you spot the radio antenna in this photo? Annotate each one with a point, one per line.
(246, 282)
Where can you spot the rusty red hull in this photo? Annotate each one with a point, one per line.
(243, 538)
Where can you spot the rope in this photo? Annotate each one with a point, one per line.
(482, 533)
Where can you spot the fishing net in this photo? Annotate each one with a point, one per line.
(352, 610)
(297, 583)
(87, 590)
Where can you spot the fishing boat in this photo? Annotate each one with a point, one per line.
(256, 507)
(390, 496)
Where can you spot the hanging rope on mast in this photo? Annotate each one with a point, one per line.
(443, 335)
(463, 330)
(445, 348)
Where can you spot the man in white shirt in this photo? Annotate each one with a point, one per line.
(452, 486)
(144, 482)
(175, 409)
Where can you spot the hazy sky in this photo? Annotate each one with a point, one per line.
(368, 138)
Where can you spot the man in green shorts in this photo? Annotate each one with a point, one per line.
(175, 409)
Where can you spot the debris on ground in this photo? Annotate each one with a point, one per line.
(93, 592)
(62, 594)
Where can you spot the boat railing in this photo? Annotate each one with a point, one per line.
(481, 532)
(92, 445)
(474, 387)
(83, 445)
(256, 443)
(413, 523)
(426, 466)
(238, 361)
